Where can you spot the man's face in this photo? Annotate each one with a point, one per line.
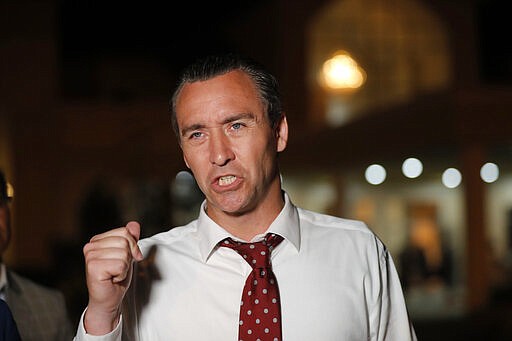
(229, 144)
(5, 227)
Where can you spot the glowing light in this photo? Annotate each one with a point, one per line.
(451, 178)
(375, 174)
(184, 176)
(489, 172)
(342, 72)
(10, 191)
(412, 167)
(182, 183)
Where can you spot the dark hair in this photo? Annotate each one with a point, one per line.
(215, 65)
(3, 188)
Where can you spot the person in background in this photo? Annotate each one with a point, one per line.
(40, 312)
(8, 328)
(252, 266)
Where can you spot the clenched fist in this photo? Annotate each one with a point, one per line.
(109, 261)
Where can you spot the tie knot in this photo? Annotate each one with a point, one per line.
(257, 254)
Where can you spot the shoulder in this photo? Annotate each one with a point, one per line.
(30, 288)
(38, 309)
(341, 232)
(336, 224)
(173, 236)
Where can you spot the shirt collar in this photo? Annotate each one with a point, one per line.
(286, 225)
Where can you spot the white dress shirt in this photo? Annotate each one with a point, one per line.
(336, 279)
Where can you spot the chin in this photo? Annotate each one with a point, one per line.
(230, 207)
(233, 210)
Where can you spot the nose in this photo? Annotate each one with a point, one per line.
(221, 152)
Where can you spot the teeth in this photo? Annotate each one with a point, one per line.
(226, 180)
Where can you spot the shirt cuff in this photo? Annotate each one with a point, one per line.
(81, 334)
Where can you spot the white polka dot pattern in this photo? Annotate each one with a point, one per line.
(260, 309)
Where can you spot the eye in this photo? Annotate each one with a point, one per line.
(237, 126)
(195, 135)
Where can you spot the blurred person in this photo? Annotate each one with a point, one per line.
(202, 281)
(8, 328)
(40, 312)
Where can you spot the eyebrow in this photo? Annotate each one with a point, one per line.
(186, 130)
(232, 118)
(240, 116)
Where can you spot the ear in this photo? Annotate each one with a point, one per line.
(282, 133)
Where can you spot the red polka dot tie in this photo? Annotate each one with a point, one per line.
(260, 308)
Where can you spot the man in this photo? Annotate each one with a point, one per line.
(335, 279)
(40, 312)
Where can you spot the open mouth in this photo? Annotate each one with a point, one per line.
(226, 180)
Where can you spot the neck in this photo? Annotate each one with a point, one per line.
(257, 221)
(257, 226)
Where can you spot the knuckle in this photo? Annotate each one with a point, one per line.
(128, 254)
(87, 248)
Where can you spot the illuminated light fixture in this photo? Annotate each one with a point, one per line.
(451, 178)
(412, 167)
(375, 174)
(342, 72)
(489, 172)
(10, 191)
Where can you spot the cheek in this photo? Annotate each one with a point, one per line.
(263, 159)
(197, 166)
(192, 158)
